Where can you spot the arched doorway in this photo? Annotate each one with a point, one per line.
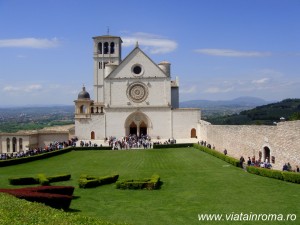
(20, 144)
(93, 135)
(14, 144)
(133, 129)
(193, 133)
(138, 123)
(7, 144)
(266, 154)
(143, 128)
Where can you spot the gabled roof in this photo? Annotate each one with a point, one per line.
(126, 59)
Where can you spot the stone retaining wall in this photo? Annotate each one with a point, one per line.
(283, 141)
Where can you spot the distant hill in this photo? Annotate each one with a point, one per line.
(13, 119)
(266, 114)
(222, 108)
(241, 101)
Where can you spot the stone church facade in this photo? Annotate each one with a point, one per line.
(137, 96)
(131, 96)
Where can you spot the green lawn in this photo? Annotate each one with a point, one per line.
(193, 183)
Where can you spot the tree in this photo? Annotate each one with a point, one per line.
(295, 116)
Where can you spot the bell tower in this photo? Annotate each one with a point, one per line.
(107, 51)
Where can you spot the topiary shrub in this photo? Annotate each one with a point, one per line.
(23, 180)
(40, 179)
(87, 181)
(149, 183)
(57, 178)
(43, 179)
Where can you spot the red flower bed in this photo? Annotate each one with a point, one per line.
(58, 197)
(63, 190)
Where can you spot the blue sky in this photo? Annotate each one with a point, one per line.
(219, 49)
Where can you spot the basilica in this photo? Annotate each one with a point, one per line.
(136, 96)
(131, 96)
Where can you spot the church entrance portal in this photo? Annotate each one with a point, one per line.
(143, 128)
(133, 129)
(138, 124)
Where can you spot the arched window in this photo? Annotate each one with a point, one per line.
(7, 144)
(14, 144)
(266, 154)
(106, 48)
(82, 109)
(193, 133)
(92, 109)
(93, 135)
(100, 48)
(21, 144)
(112, 47)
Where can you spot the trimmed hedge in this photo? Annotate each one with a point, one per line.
(91, 148)
(40, 179)
(219, 155)
(10, 162)
(276, 174)
(57, 178)
(63, 190)
(43, 179)
(181, 145)
(23, 180)
(149, 184)
(44, 195)
(291, 177)
(86, 181)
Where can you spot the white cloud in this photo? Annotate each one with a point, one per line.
(270, 73)
(33, 87)
(231, 52)
(28, 88)
(216, 90)
(29, 43)
(10, 89)
(155, 44)
(261, 81)
(189, 90)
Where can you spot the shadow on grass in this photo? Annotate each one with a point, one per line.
(159, 184)
(72, 210)
(75, 197)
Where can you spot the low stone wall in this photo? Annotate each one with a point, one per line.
(281, 140)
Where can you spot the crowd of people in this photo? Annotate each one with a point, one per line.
(259, 163)
(88, 144)
(203, 143)
(166, 142)
(129, 142)
(55, 145)
(288, 167)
